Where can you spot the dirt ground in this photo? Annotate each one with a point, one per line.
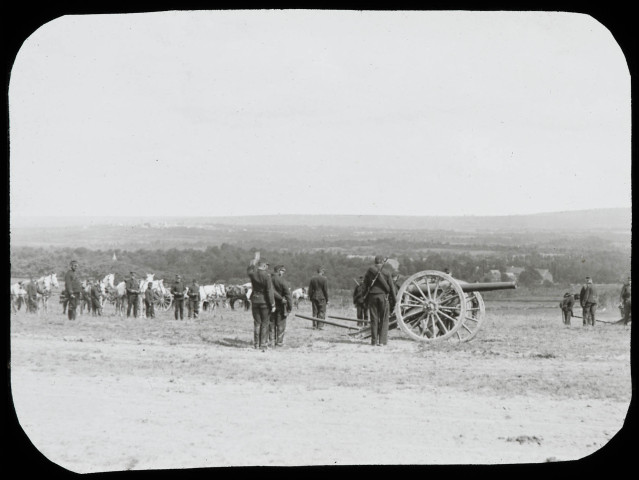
(109, 393)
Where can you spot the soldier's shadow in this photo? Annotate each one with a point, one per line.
(232, 342)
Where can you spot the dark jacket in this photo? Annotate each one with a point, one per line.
(281, 292)
(567, 303)
(132, 286)
(318, 288)
(262, 287)
(148, 295)
(96, 293)
(381, 284)
(194, 292)
(72, 282)
(358, 294)
(177, 289)
(32, 290)
(588, 295)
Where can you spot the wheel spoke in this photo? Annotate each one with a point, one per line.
(419, 290)
(454, 320)
(417, 299)
(430, 297)
(439, 320)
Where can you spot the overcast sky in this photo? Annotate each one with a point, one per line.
(319, 112)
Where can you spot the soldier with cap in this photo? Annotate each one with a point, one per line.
(360, 302)
(625, 300)
(32, 296)
(132, 292)
(566, 307)
(194, 299)
(262, 300)
(73, 289)
(318, 295)
(381, 296)
(177, 289)
(283, 306)
(588, 299)
(148, 301)
(96, 299)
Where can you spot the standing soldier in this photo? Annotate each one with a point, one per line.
(132, 292)
(177, 289)
(360, 302)
(318, 295)
(283, 306)
(566, 307)
(148, 301)
(73, 288)
(194, 299)
(381, 295)
(86, 297)
(32, 296)
(262, 300)
(588, 299)
(96, 299)
(625, 299)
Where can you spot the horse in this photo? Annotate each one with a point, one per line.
(18, 297)
(44, 285)
(239, 292)
(119, 294)
(299, 294)
(211, 296)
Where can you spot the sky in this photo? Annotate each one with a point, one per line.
(224, 113)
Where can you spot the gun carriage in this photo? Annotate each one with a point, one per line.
(433, 306)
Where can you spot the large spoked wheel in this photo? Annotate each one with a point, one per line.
(164, 302)
(475, 315)
(431, 306)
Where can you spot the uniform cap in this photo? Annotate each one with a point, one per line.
(74, 261)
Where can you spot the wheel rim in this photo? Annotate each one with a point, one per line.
(431, 306)
(473, 320)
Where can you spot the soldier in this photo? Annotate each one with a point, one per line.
(73, 288)
(588, 299)
(625, 300)
(360, 302)
(177, 289)
(96, 299)
(148, 301)
(86, 297)
(566, 307)
(132, 292)
(318, 295)
(262, 301)
(381, 297)
(283, 306)
(64, 300)
(32, 296)
(194, 299)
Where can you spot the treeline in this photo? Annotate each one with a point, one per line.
(227, 264)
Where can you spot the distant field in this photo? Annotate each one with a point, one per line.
(131, 394)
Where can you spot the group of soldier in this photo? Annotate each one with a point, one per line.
(589, 299)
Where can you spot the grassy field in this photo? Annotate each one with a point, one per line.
(525, 390)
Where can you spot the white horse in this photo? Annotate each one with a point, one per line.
(212, 295)
(44, 285)
(299, 294)
(18, 297)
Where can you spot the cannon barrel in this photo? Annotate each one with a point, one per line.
(468, 287)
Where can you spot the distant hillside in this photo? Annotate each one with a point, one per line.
(613, 219)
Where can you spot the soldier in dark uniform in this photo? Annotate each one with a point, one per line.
(588, 299)
(381, 297)
(177, 289)
(32, 296)
(625, 299)
(262, 301)
(283, 306)
(86, 298)
(96, 299)
(194, 299)
(360, 302)
(148, 301)
(318, 295)
(566, 307)
(132, 292)
(73, 288)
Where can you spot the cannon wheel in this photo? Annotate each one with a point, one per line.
(164, 301)
(431, 306)
(473, 320)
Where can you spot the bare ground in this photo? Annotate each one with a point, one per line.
(109, 394)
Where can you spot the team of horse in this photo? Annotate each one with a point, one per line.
(211, 296)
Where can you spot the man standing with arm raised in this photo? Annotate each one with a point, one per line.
(262, 300)
(381, 295)
(318, 294)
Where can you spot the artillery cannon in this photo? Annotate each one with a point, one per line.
(433, 306)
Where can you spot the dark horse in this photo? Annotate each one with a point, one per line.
(238, 292)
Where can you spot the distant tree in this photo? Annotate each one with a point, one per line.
(529, 277)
